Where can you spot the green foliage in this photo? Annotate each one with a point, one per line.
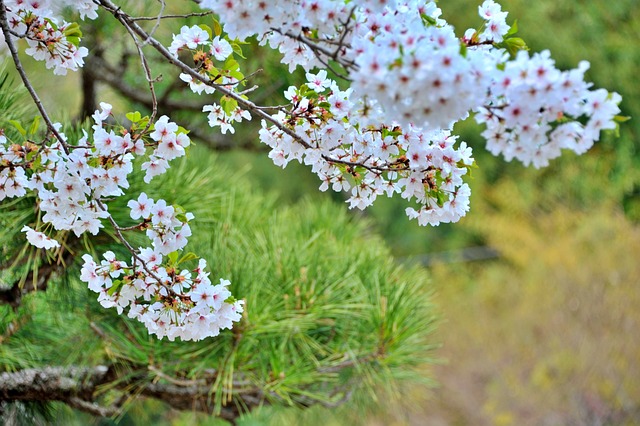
(321, 294)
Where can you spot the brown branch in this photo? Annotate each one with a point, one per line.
(81, 387)
(88, 95)
(66, 384)
(183, 16)
(102, 71)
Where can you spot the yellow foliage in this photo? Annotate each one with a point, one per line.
(547, 333)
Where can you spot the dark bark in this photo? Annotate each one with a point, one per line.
(78, 386)
(73, 385)
(89, 102)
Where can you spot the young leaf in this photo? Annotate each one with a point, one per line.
(217, 29)
(228, 105)
(134, 117)
(187, 257)
(34, 125)
(19, 127)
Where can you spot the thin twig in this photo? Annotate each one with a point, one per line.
(147, 73)
(158, 20)
(183, 16)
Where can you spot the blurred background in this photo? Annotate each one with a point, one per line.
(538, 287)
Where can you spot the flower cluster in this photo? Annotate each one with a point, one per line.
(537, 110)
(196, 40)
(406, 62)
(171, 143)
(170, 302)
(218, 117)
(73, 183)
(214, 60)
(415, 68)
(71, 180)
(496, 22)
(49, 40)
(370, 159)
(39, 239)
(399, 53)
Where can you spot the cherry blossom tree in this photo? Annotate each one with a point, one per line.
(384, 84)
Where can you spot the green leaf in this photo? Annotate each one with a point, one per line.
(73, 30)
(19, 127)
(463, 50)
(217, 28)
(36, 163)
(231, 64)
(237, 50)
(31, 155)
(513, 45)
(74, 40)
(238, 76)
(311, 94)
(388, 132)
(143, 123)
(213, 73)
(187, 257)
(34, 125)
(228, 105)
(53, 24)
(115, 286)
(173, 257)
(513, 30)
(428, 19)
(134, 117)
(621, 118)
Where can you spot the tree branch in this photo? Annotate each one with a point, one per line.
(35, 282)
(80, 387)
(100, 70)
(53, 383)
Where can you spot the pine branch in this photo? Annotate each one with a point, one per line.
(73, 385)
(78, 387)
(38, 281)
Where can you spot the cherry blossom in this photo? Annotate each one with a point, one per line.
(39, 239)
